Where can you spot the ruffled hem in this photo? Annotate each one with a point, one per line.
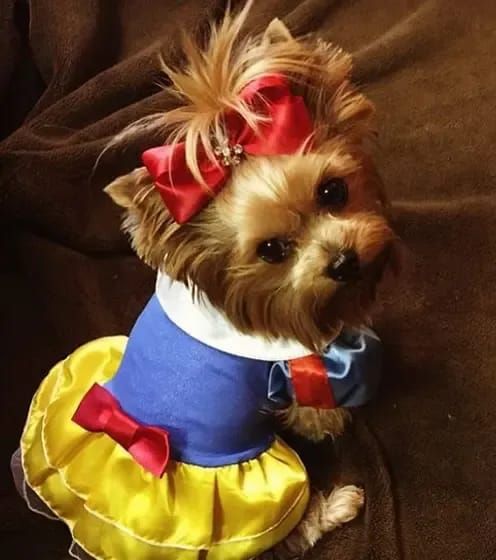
(117, 510)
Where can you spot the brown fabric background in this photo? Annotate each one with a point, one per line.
(74, 72)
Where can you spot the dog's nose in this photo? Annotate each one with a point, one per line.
(345, 266)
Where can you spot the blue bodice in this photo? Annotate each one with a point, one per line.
(214, 404)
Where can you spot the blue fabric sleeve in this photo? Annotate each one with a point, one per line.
(354, 366)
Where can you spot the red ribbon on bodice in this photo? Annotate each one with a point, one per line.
(310, 382)
(286, 128)
(100, 411)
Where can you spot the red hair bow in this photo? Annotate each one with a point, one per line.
(100, 412)
(285, 129)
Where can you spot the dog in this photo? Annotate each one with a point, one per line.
(292, 246)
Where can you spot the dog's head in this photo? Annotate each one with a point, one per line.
(293, 245)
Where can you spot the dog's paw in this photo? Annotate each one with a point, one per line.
(341, 506)
(316, 424)
(323, 514)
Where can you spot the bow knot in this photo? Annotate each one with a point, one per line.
(284, 127)
(119, 426)
(100, 412)
(229, 155)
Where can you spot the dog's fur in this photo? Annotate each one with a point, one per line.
(271, 197)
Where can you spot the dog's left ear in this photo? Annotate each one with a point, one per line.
(276, 32)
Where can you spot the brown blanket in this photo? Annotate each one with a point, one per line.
(74, 72)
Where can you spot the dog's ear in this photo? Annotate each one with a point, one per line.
(125, 190)
(354, 114)
(146, 219)
(276, 32)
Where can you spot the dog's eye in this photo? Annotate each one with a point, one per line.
(273, 250)
(332, 193)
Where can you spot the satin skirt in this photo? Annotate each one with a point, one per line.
(116, 510)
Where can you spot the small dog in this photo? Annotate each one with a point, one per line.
(292, 246)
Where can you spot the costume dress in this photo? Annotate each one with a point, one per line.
(161, 446)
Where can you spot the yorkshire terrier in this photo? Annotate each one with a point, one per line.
(266, 220)
(293, 245)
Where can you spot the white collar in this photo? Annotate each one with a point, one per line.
(208, 325)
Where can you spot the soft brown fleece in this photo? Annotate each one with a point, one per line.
(426, 449)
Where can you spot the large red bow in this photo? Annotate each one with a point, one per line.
(285, 128)
(99, 411)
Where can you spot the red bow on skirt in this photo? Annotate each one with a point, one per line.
(99, 411)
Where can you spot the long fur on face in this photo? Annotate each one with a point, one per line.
(267, 197)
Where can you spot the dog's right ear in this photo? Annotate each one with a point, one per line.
(126, 189)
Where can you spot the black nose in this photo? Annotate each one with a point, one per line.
(345, 266)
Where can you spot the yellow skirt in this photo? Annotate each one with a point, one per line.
(116, 510)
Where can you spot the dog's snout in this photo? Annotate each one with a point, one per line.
(345, 266)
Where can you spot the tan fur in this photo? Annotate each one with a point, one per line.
(314, 424)
(271, 197)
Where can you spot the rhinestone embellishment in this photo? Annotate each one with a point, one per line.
(229, 155)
